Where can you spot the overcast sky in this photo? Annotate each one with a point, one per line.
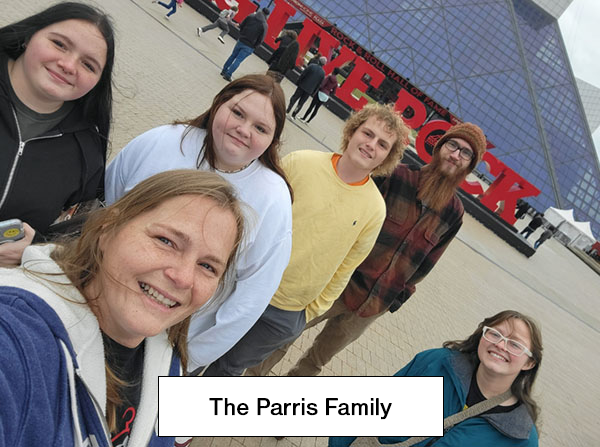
(580, 26)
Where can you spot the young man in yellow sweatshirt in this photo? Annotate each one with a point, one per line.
(337, 214)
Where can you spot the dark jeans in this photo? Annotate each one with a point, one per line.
(526, 232)
(222, 24)
(314, 108)
(172, 6)
(299, 95)
(240, 52)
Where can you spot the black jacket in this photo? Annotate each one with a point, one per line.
(53, 171)
(284, 41)
(287, 61)
(311, 78)
(253, 29)
(536, 222)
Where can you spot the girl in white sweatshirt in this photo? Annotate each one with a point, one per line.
(239, 138)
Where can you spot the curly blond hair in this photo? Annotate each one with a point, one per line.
(393, 124)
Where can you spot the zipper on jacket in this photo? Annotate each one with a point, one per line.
(99, 408)
(13, 168)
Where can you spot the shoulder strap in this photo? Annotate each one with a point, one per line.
(449, 422)
(476, 409)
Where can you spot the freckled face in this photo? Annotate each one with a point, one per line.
(496, 359)
(243, 128)
(61, 62)
(161, 267)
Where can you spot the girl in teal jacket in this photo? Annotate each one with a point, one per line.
(505, 351)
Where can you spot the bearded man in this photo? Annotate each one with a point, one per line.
(423, 215)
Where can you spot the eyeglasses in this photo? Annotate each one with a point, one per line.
(465, 152)
(512, 346)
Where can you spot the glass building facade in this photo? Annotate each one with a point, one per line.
(501, 64)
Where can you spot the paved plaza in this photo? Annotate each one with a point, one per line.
(164, 72)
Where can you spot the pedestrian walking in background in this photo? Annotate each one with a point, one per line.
(172, 5)
(287, 59)
(285, 38)
(547, 234)
(224, 21)
(522, 208)
(328, 88)
(315, 59)
(308, 83)
(534, 224)
(252, 32)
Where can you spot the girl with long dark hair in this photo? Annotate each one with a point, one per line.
(55, 114)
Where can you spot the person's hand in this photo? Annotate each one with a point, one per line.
(11, 252)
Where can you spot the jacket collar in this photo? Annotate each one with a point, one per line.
(515, 424)
(86, 339)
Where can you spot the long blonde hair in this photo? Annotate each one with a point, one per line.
(81, 259)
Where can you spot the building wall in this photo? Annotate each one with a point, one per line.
(499, 63)
(590, 97)
(554, 7)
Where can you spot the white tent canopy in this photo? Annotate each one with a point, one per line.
(555, 216)
(570, 232)
(585, 228)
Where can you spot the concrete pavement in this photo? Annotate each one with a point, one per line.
(165, 72)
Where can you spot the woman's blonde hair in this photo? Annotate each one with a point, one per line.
(81, 259)
(393, 123)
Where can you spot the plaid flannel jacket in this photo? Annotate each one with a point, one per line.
(412, 240)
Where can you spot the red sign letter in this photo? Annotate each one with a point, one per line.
(306, 38)
(277, 20)
(354, 81)
(508, 186)
(405, 100)
(346, 55)
(425, 136)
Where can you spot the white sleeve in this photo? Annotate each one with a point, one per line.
(154, 151)
(259, 272)
(114, 186)
(127, 169)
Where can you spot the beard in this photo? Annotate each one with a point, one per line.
(437, 187)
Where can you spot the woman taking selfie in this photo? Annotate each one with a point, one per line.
(238, 137)
(497, 364)
(55, 112)
(87, 327)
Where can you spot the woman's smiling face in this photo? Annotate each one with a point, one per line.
(495, 358)
(161, 267)
(61, 62)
